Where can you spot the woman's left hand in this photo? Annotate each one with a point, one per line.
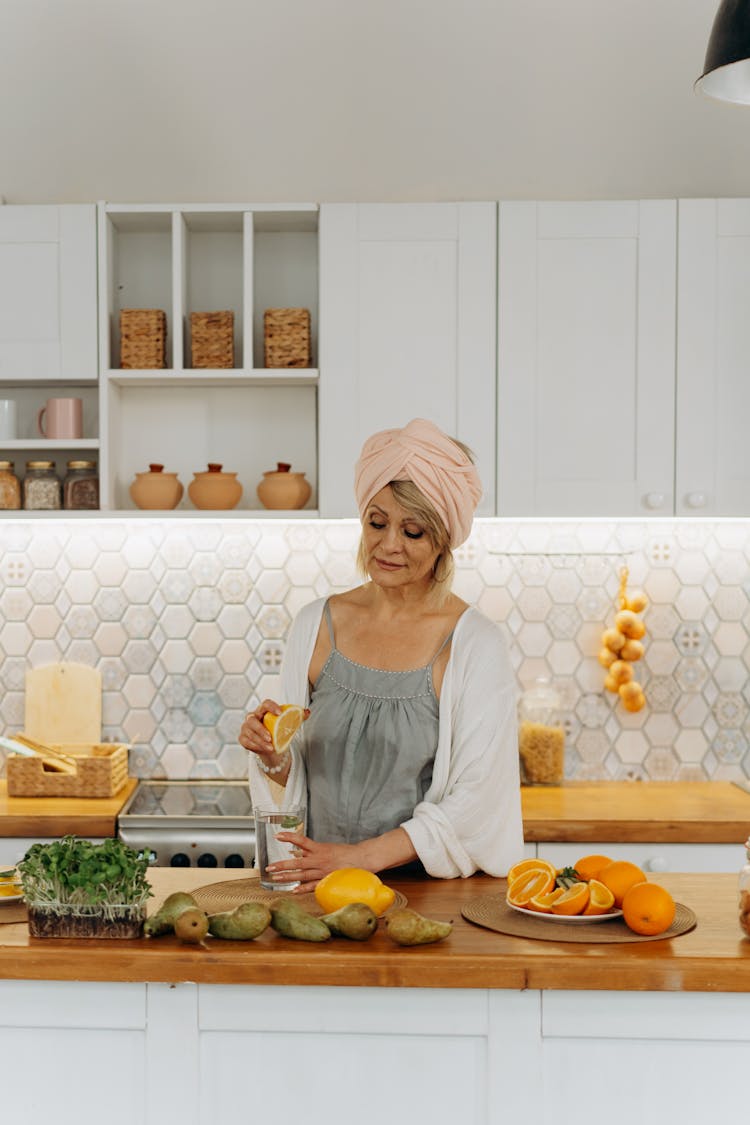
(312, 860)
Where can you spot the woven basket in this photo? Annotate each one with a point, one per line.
(143, 338)
(286, 334)
(212, 339)
(102, 772)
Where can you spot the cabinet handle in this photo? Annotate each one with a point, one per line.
(654, 500)
(657, 863)
(696, 499)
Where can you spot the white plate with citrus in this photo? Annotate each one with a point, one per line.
(576, 919)
(10, 886)
(592, 891)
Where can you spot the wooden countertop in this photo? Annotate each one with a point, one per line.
(716, 812)
(714, 957)
(710, 812)
(34, 817)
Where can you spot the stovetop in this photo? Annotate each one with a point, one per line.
(191, 823)
(197, 803)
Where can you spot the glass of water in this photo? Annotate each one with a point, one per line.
(268, 823)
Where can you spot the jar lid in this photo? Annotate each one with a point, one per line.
(40, 464)
(7, 465)
(81, 464)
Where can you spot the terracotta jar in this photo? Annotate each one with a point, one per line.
(214, 489)
(156, 490)
(281, 488)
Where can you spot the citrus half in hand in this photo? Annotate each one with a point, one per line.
(283, 727)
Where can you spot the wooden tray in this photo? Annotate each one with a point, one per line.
(102, 771)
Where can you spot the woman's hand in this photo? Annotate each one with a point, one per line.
(254, 737)
(312, 861)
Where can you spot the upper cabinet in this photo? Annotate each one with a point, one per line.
(48, 293)
(586, 358)
(180, 260)
(713, 358)
(407, 329)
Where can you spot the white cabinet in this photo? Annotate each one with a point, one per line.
(713, 358)
(48, 327)
(407, 329)
(48, 293)
(586, 358)
(203, 258)
(652, 858)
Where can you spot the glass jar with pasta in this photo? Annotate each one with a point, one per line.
(541, 736)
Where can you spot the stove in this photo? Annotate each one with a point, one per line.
(190, 823)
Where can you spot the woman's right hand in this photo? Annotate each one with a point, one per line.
(254, 736)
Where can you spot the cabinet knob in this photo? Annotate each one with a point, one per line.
(654, 500)
(696, 499)
(657, 863)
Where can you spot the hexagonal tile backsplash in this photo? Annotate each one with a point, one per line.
(187, 620)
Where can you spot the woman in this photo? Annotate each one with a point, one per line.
(409, 752)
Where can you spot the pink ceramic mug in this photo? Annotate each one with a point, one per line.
(64, 418)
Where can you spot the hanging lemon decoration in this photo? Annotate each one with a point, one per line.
(623, 646)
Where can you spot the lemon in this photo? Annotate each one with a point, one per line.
(283, 727)
(353, 884)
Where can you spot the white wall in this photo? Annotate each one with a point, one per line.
(254, 100)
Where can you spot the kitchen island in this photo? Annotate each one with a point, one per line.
(481, 1028)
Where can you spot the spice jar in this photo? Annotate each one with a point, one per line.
(81, 486)
(10, 487)
(744, 889)
(541, 738)
(42, 489)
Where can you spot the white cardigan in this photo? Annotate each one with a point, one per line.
(470, 818)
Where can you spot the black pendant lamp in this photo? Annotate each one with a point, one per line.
(726, 73)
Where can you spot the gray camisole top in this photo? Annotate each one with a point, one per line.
(369, 745)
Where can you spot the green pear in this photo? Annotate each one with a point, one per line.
(244, 923)
(163, 921)
(290, 920)
(407, 927)
(191, 926)
(355, 920)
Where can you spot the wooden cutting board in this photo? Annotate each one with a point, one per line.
(64, 704)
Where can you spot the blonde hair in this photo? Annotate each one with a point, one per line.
(416, 504)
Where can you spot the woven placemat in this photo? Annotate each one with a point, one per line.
(216, 897)
(493, 913)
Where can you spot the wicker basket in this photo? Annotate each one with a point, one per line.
(286, 334)
(212, 339)
(102, 772)
(143, 338)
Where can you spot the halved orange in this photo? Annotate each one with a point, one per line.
(543, 903)
(572, 901)
(530, 864)
(283, 727)
(534, 882)
(601, 899)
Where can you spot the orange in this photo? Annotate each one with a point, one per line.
(619, 877)
(283, 727)
(589, 866)
(534, 882)
(543, 903)
(601, 899)
(353, 884)
(524, 865)
(648, 908)
(572, 901)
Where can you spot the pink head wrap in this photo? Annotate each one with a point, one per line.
(421, 453)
